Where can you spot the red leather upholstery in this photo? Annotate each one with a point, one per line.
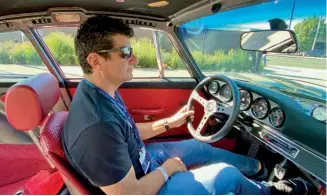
(29, 102)
(50, 141)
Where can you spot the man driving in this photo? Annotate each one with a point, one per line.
(105, 146)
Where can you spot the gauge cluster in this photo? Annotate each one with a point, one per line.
(252, 104)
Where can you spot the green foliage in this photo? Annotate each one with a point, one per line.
(171, 60)
(24, 53)
(62, 48)
(4, 52)
(145, 51)
(306, 32)
(232, 60)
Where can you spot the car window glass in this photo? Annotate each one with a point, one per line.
(171, 61)
(18, 57)
(60, 41)
(214, 43)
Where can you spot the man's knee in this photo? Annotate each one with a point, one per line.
(228, 175)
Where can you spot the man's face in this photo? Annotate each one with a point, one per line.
(116, 68)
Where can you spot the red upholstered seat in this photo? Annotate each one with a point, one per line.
(50, 141)
(28, 104)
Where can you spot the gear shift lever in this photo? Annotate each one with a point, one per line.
(279, 170)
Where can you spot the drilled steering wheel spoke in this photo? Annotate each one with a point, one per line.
(202, 123)
(195, 95)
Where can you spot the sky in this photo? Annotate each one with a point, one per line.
(258, 15)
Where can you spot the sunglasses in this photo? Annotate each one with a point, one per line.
(126, 51)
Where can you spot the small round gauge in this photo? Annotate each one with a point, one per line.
(226, 93)
(213, 87)
(276, 117)
(260, 108)
(246, 99)
(319, 113)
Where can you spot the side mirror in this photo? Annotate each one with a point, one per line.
(279, 41)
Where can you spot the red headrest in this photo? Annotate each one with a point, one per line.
(29, 102)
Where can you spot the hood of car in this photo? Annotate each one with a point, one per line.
(285, 85)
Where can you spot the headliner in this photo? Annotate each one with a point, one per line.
(11, 7)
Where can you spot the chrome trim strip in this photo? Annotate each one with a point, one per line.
(303, 154)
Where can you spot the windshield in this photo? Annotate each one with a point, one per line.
(214, 43)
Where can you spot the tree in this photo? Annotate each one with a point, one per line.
(306, 32)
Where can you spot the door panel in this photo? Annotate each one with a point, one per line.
(169, 101)
(156, 99)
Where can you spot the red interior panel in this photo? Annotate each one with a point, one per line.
(157, 104)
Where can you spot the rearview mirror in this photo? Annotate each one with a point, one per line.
(279, 41)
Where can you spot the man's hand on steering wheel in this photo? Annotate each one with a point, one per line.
(212, 107)
(180, 117)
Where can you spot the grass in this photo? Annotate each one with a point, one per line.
(290, 61)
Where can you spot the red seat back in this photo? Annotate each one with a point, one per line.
(50, 141)
(27, 105)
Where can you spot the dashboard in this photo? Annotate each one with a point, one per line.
(252, 104)
(293, 126)
(262, 108)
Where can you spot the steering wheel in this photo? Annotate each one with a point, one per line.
(211, 107)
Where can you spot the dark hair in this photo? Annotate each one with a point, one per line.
(96, 34)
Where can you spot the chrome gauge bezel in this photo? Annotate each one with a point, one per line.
(211, 83)
(251, 100)
(270, 117)
(253, 104)
(221, 91)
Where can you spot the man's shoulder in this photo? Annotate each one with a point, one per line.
(88, 110)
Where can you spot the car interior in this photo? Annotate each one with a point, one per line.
(285, 129)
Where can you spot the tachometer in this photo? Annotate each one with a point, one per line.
(260, 108)
(246, 99)
(226, 93)
(319, 113)
(276, 117)
(213, 87)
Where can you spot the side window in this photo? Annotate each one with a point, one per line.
(172, 63)
(144, 50)
(18, 57)
(60, 41)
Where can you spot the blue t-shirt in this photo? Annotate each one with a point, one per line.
(98, 140)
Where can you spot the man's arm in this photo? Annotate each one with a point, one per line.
(149, 184)
(151, 129)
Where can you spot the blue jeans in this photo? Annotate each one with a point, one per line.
(221, 171)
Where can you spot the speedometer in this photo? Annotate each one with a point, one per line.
(213, 87)
(246, 99)
(260, 108)
(226, 93)
(276, 117)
